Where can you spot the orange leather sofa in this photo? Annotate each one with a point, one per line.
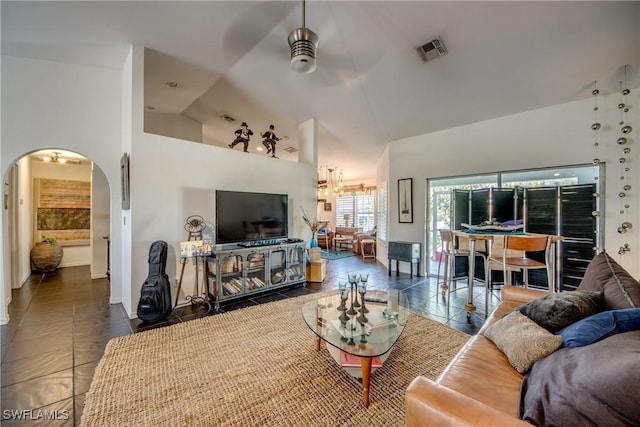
(479, 387)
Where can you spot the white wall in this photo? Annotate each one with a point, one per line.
(74, 107)
(100, 222)
(553, 136)
(171, 180)
(25, 212)
(173, 125)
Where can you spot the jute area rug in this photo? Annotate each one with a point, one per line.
(253, 367)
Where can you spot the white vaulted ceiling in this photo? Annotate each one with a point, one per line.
(370, 87)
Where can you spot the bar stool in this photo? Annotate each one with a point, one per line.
(450, 251)
(452, 248)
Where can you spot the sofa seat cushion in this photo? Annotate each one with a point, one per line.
(620, 289)
(592, 385)
(482, 372)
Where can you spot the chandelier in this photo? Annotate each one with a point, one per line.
(60, 157)
(330, 178)
(55, 157)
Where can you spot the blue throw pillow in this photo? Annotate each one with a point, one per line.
(600, 326)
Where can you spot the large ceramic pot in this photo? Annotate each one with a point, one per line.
(46, 256)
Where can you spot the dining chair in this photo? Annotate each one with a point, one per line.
(510, 262)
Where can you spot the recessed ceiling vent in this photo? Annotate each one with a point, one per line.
(431, 50)
(290, 149)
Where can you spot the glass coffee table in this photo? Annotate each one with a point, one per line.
(358, 344)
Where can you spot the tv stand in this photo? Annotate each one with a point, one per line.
(234, 273)
(254, 243)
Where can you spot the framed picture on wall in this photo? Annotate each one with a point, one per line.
(124, 181)
(405, 200)
(327, 206)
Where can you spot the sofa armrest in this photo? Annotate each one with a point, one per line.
(518, 294)
(428, 403)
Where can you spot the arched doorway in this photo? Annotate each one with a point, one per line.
(53, 193)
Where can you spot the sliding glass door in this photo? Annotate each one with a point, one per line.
(439, 194)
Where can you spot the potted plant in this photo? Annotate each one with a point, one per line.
(46, 255)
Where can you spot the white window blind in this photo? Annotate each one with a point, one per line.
(381, 233)
(356, 211)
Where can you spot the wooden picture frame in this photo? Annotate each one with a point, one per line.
(124, 181)
(327, 206)
(405, 200)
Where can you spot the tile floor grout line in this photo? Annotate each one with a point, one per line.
(33, 295)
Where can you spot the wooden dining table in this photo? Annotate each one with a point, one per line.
(488, 236)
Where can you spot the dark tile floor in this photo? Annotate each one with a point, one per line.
(61, 322)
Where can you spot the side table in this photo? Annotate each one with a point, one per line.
(368, 248)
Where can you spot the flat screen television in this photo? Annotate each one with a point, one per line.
(243, 216)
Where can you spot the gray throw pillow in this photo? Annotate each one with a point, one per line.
(620, 289)
(556, 311)
(522, 340)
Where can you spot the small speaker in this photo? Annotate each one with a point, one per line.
(431, 50)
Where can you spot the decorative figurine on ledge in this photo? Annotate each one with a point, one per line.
(242, 135)
(270, 140)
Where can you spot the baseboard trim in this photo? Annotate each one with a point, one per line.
(73, 264)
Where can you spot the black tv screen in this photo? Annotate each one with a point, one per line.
(243, 216)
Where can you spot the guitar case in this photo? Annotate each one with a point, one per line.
(155, 294)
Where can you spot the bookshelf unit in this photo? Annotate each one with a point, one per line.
(237, 272)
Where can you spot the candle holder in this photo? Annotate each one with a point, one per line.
(362, 289)
(364, 278)
(344, 295)
(352, 309)
(354, 279)
(342, 286)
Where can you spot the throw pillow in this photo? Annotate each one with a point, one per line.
(620, 289)
(596, 385)
(522, 340)
(600, 326)
(556, 311)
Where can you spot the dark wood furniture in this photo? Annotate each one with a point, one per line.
(406, 252)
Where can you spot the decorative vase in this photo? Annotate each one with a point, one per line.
(314, 241)
(46, 256)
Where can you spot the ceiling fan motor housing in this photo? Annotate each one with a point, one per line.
(303, 44)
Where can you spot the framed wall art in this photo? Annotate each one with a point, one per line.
(405, 200)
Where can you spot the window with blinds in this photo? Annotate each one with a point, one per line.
(356, 211)
(381, 233)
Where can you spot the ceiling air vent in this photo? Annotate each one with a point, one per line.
(431, 50)
(290, 149)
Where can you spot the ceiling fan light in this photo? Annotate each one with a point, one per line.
(303, 44)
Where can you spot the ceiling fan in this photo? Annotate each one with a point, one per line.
(303, 43)
(269, 22)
